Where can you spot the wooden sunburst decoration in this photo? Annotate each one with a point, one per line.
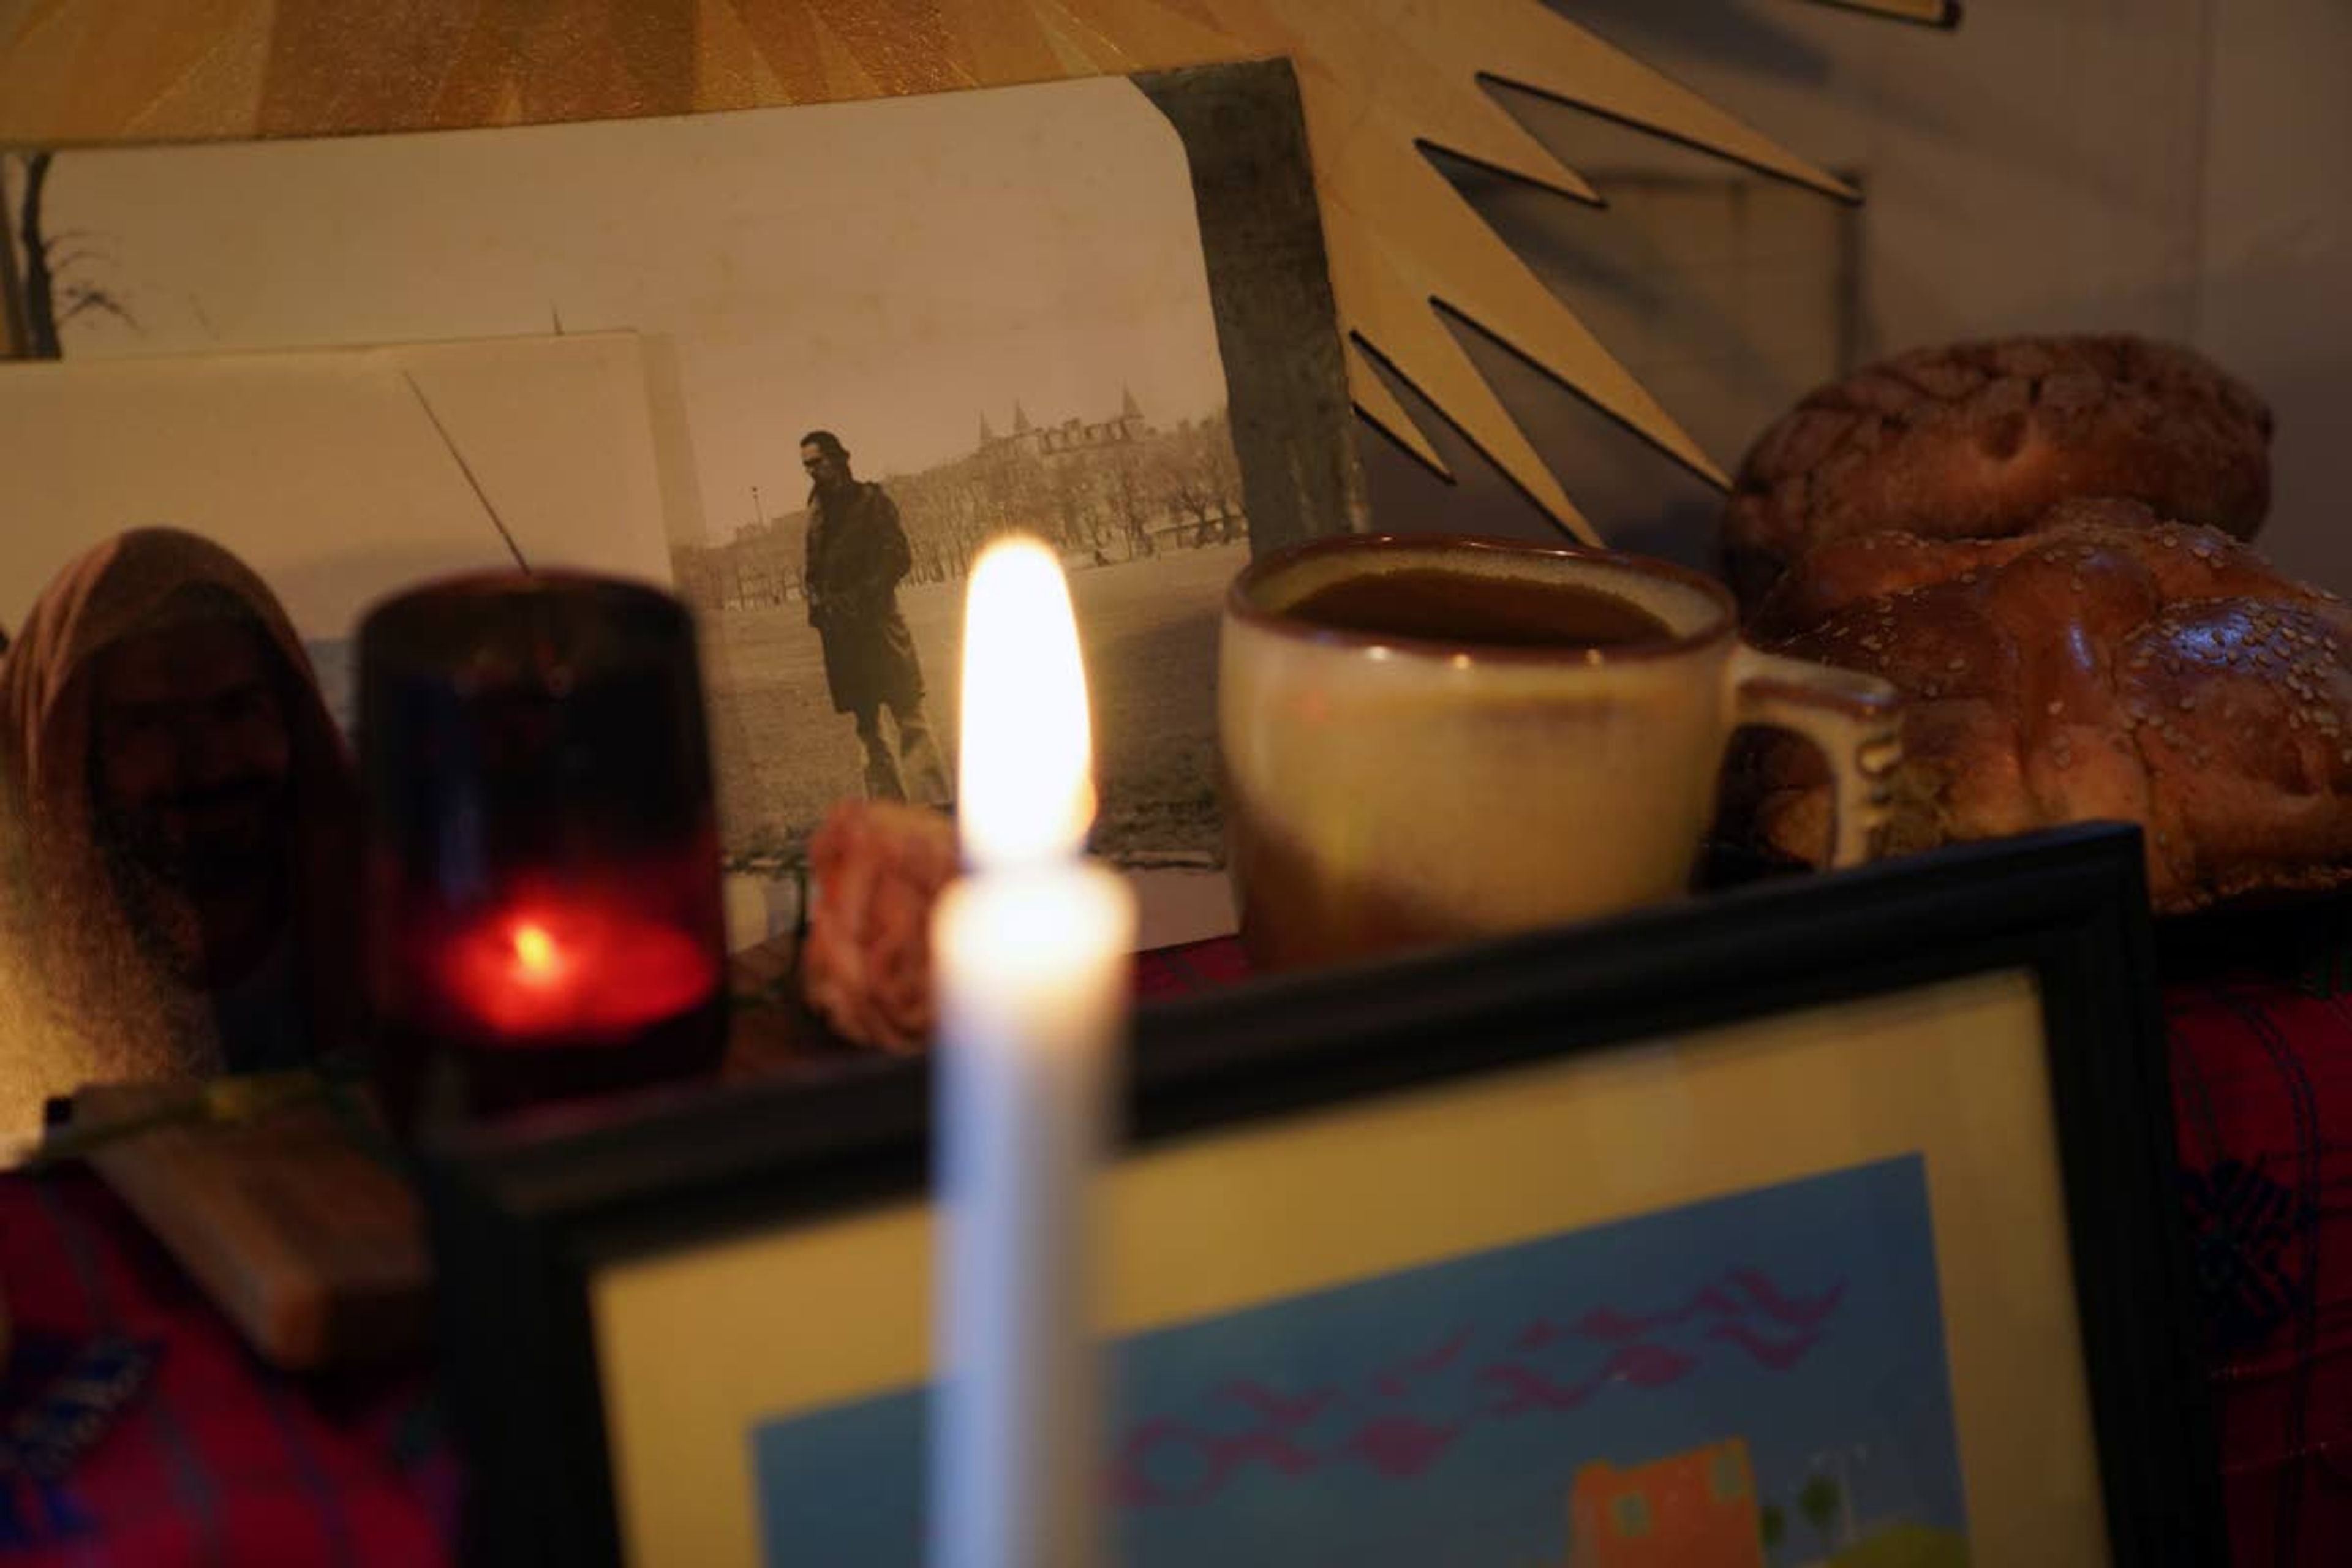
(1381, 81)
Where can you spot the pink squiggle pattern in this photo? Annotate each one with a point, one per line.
(1522, 1388)
(1279, 1410)
(1401, 1445)
(1429, 1363)
(1162, 1461)
(1756, 1293)
(1777, 1354)
(1537, 1335)
(1794, 1310)
(1649, 1366)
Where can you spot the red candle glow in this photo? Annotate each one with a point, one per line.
(543, 971)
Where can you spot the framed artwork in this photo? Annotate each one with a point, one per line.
(1819, 1220)
(1096, 310)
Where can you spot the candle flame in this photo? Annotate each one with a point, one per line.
(535, 951)
(1026, 785)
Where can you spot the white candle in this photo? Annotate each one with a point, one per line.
(1032, 954)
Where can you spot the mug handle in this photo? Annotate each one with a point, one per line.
(1855, 720)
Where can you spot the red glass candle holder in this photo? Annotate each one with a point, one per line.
(544, 913)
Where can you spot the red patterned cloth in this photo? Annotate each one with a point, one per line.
(220, 1460)
(2261, 1074)
(1196, 966)
(217, 1459)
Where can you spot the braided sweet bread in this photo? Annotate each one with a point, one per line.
(2110, 665)
(1977, 440)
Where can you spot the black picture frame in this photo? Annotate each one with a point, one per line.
(523, 1216)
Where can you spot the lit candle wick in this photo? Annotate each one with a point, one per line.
(535, 951)
(546, 967)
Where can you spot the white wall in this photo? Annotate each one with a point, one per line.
(2275, 298)
(2174, 168)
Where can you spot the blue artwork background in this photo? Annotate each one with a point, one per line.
(1440, 1413)
(332, 661)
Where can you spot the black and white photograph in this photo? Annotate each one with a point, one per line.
(868, 337)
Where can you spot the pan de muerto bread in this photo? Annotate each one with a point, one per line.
(1977, 440)
(2110, 664)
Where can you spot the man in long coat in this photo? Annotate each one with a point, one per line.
(857, 555)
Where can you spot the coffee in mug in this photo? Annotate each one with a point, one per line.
(1431, 739)
(1461, 608)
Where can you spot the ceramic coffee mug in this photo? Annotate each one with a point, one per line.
(1432, 739)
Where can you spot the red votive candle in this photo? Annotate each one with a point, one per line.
(544, 884)
(548, 970)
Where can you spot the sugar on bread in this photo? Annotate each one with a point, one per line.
(1977, 440)
(2112, 663)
